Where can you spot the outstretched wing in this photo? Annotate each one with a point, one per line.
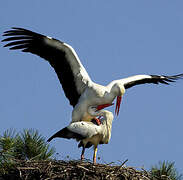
(151, 79)
(61, 56)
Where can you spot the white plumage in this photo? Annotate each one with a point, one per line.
(88, 133)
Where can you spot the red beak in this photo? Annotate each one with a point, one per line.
(118, 102)
(102, 106)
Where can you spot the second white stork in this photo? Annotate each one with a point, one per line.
(88, 133)
(81, 91)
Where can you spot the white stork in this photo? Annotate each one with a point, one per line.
(88, 133)
(81, 91)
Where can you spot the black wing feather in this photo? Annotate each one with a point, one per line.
(49, 49)
(155, 79)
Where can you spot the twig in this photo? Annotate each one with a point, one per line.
(27, 168)
(83, 168)
(124, 162)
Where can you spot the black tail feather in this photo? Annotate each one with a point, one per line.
(66, 133)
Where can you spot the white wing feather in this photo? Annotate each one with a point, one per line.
(80, 74)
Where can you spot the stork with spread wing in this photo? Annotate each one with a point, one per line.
(80, 90)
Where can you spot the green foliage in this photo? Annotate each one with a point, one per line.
(165, 171)
(31, 145)
(7, 150)
(28, 145)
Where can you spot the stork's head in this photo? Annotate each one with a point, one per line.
(121, 89)
(108, 116)
(118, 89)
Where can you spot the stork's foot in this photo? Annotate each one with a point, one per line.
(94, 161)
(82, 157)
(82, 153)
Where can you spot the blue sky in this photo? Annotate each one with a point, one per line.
(113, 39)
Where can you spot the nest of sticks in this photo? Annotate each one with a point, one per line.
(75, 170)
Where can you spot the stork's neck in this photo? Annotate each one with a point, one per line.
(107, 123)
(117, 87)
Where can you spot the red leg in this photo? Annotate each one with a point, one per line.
(82, 153)
(94, 155)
